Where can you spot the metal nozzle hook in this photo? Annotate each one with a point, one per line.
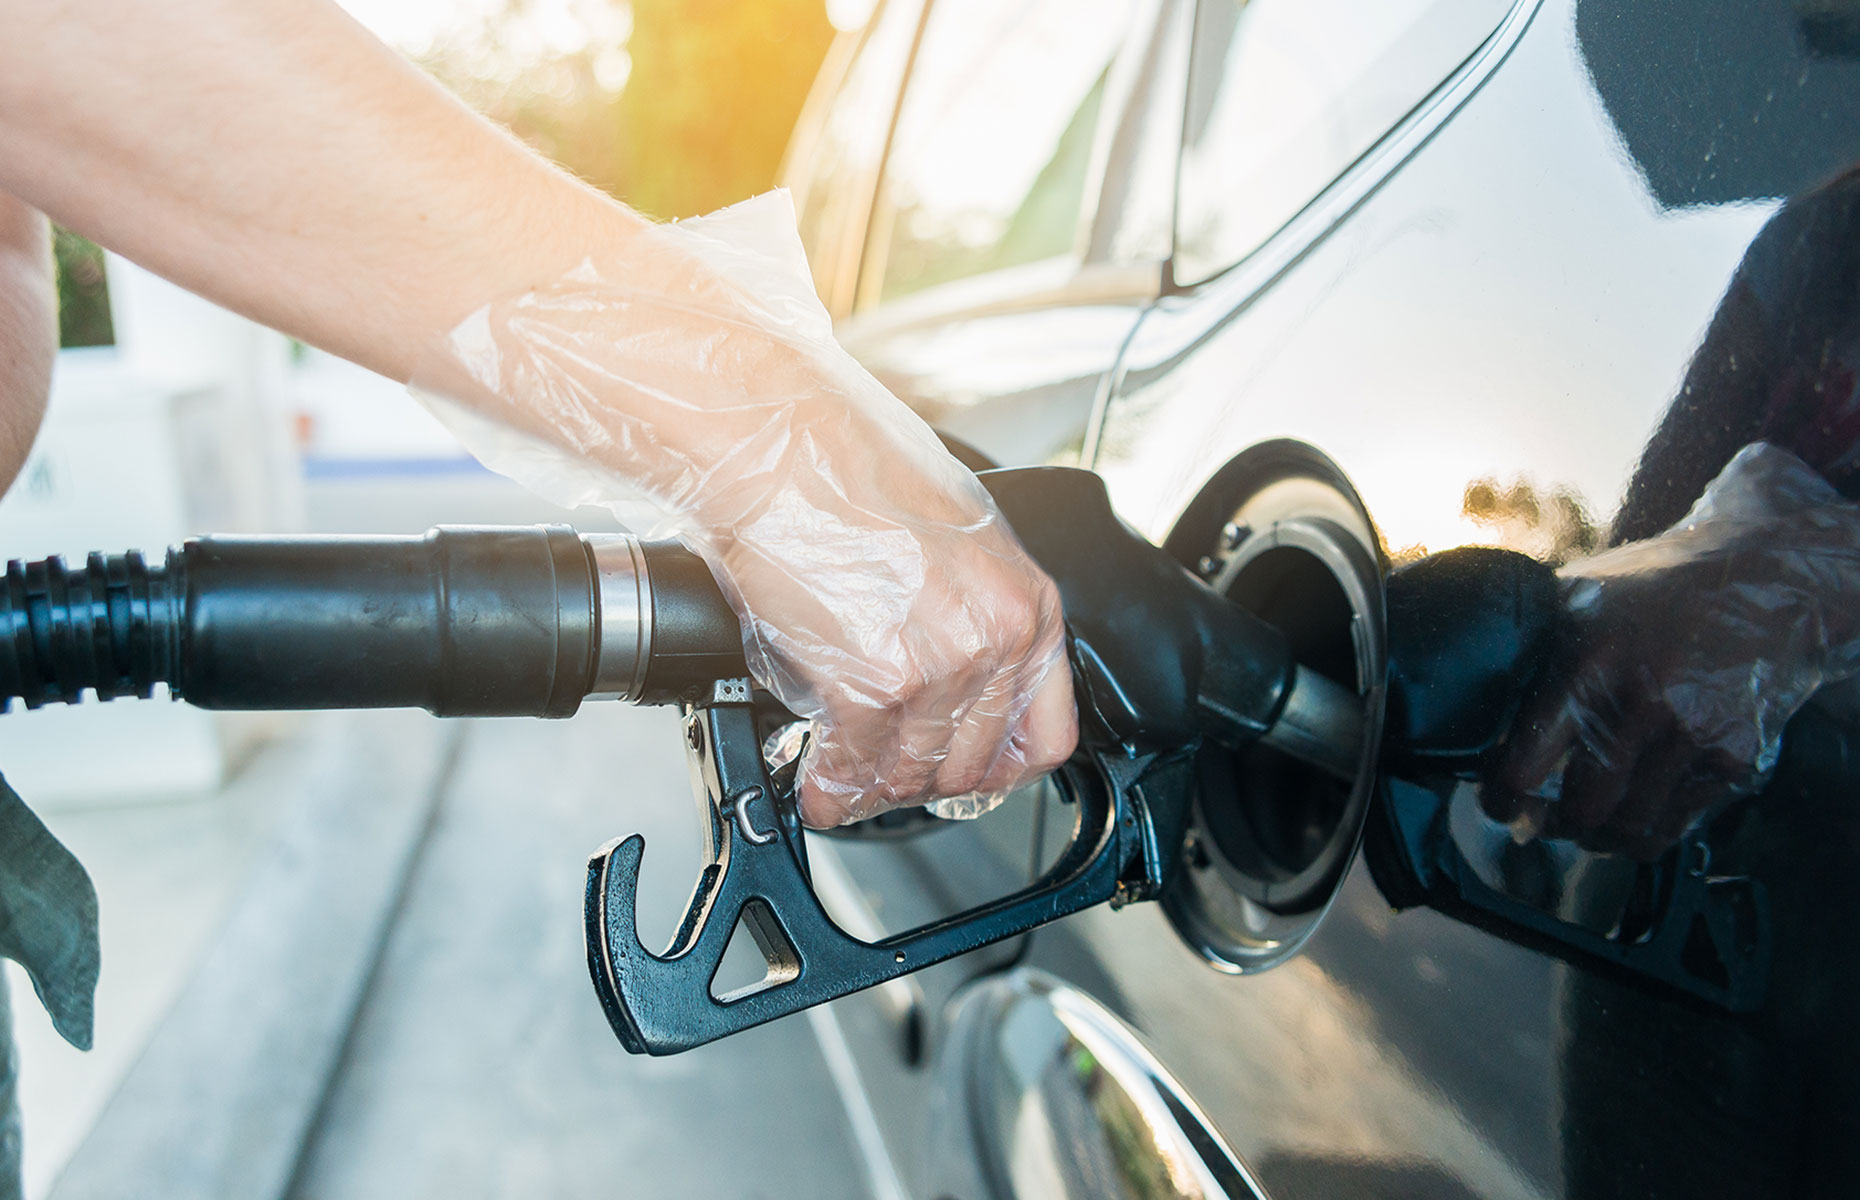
(739, 808)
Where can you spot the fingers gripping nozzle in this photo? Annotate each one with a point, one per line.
(1160, 662)
(756, 874)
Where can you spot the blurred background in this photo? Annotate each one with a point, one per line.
(342, 954)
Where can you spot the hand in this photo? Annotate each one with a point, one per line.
(1685, 657)
(883, 596)
(1653, 716)
(928, 650)
(881, 593)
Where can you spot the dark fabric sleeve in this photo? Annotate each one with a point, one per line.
(48, 918)
(1780, 363)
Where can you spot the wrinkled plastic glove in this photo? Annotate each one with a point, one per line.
(1687, 655)
(691, 384)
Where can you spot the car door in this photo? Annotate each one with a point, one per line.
(1015, 232)
(1494, 316)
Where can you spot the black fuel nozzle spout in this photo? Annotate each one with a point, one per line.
(1164, 659)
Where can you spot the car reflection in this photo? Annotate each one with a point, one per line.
(1641, 760)
(1657, 690)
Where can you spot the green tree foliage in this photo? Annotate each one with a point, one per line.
(714, 92)
(676, 106)
(1548, 523)
(83, 293)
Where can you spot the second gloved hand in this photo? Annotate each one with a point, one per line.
(1684, 657)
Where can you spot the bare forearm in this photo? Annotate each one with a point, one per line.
(271, 155)
(28, 330)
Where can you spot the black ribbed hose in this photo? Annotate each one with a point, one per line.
(110, 626)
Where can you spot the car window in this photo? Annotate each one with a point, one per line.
(991, 159)
(1135, 221)
(1284, 95)
(837, 148)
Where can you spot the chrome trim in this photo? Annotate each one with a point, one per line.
(1359, 181)
(1201, 1151)
(624, 639)
(1068, 1102)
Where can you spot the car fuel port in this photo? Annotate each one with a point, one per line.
(1281, 532)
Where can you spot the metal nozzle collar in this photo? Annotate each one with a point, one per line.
(624, 643)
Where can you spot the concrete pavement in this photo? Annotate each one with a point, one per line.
(481, 1065)
(358, 971)
(396, 1003)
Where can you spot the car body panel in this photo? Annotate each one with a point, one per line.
(1499, 300)
(1510, 301)
(1510, 305)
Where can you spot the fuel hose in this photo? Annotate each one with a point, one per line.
(463, 621)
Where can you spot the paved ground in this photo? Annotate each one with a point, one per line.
(357, 971)
(481, 1064)
(166, 873)
(393, 999)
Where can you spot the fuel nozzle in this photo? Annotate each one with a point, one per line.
(1162, 663)
(1164, 658)
(530, 621)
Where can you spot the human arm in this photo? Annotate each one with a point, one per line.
(273, 157)
(28, 329)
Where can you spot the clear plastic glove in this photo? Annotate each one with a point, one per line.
(1688, 654)
(690, 383)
